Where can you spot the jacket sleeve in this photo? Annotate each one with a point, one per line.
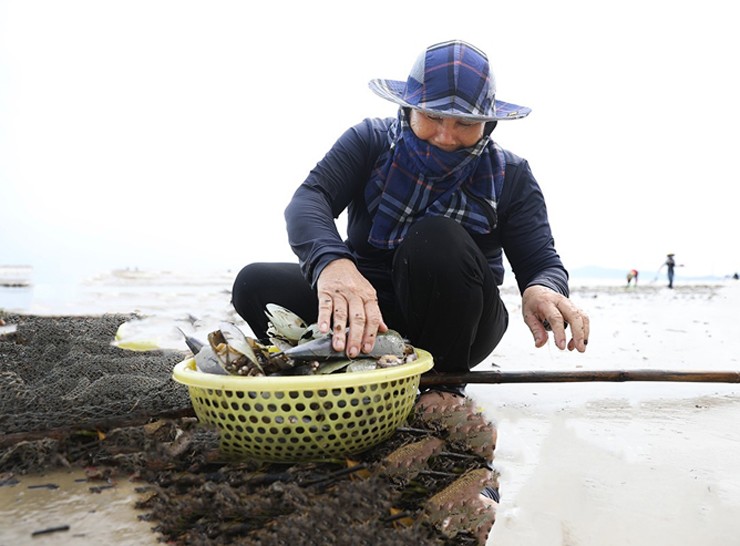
(525, 231)
(327, 191)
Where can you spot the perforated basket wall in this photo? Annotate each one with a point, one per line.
(304, 418)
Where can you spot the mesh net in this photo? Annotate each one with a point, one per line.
(62, 371)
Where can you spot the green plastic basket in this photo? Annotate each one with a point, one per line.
(307, 417)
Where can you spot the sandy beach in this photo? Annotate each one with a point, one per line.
(623, 463)
(580, 463)
(151, 149)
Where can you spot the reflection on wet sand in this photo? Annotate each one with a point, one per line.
(84, 512)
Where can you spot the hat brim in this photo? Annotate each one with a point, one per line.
(393, 91)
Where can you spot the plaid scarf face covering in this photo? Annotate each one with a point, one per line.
(414, 179)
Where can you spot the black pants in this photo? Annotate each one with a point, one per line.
(441, 295)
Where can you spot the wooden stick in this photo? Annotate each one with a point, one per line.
(546, 376)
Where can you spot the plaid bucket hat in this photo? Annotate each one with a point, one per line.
(453, 79)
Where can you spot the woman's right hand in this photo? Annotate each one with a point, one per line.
(348, 300)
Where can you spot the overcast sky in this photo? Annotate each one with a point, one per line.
(171, 134)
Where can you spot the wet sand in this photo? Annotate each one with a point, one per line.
(95, 513)
(623, 463)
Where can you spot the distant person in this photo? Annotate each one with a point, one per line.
(670, 263)
(736, 276)
(632, 276)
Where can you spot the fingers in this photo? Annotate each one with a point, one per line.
(557, 324)
(568, 315)
(580, 330)
(373, 324)
(365, 321)
(537, 328)
(326, 306)
(579, 325)
(545, 310)
(339, 318)
(356, 324)
(348, 302)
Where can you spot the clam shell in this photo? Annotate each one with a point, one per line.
(284, 324)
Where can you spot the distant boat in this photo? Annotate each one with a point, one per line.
(15, 275)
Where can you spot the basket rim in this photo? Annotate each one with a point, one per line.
(184, 372)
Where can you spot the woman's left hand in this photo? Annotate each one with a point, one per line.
(543, 307)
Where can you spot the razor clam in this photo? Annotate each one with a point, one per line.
(388, 343)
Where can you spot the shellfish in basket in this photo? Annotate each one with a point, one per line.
(241, 355)
(389, 343)
(206, 360)
(285, 329)
(297, 349)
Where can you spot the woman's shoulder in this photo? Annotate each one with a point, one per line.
(373, 128)
(512, 159)
(516, 167)
(378, 124)
(370, 136)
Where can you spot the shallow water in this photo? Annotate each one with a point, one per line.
(104, 517)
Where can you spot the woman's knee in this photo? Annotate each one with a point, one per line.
(260, 283)
(246, 286)
(249, 276)
(436, 232)
(440, 246)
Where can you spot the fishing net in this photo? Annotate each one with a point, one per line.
(61, 372)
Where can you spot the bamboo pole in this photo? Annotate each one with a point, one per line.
(580, 376)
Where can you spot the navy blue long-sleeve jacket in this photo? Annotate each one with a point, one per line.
(338, 182)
